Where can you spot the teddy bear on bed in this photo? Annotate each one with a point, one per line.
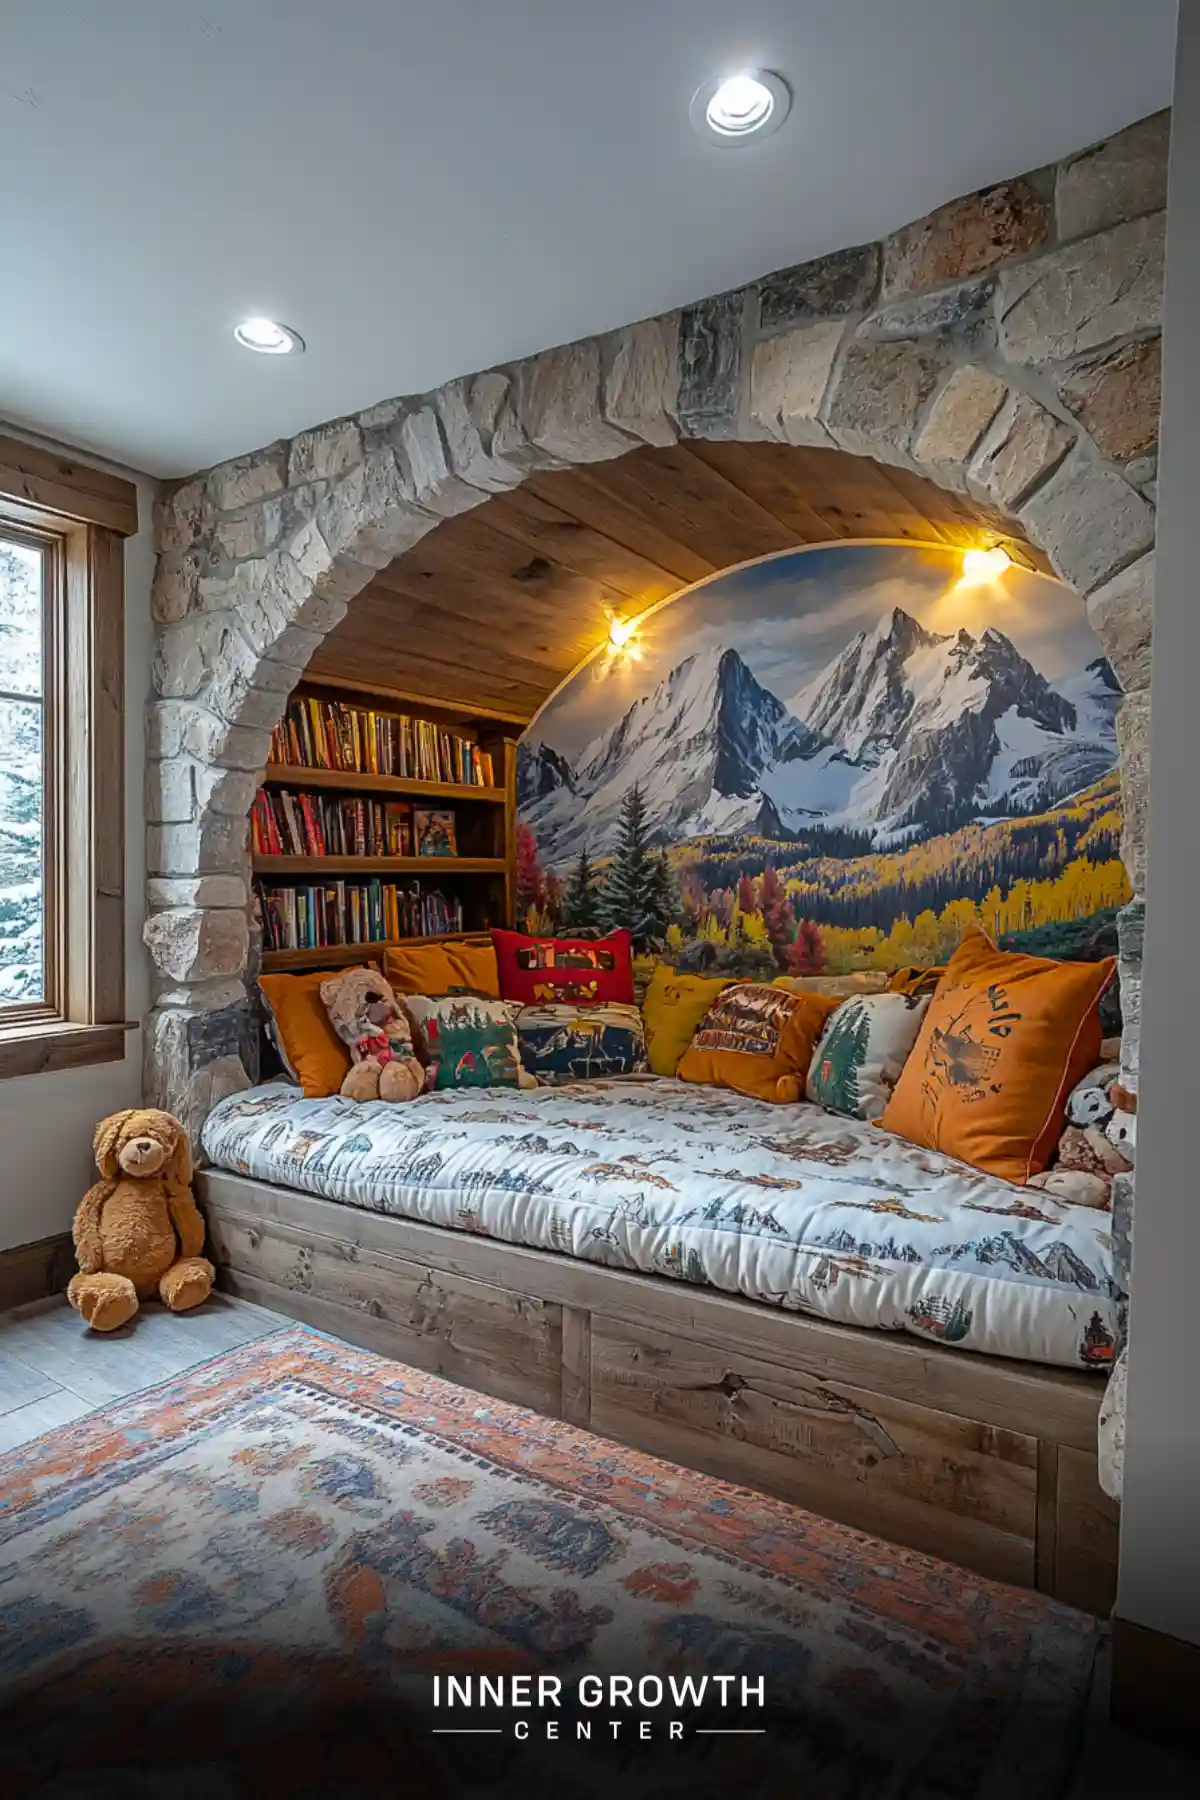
(138, 1232)
(366, 1015)
(1097, 1141)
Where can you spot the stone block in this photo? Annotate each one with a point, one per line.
(1121, 613)
(226, 791)
(195, 890)
(1023, 446)
(558, 406)
(204, 1089)
(325, 454)
(877, 397)
(1120, 179)
(1090, 523)
(331, 575)
(196, 943)
(212, 845)
(368, 518)
(1117, 399)
(710, 365)
(788, 379)
(1133, 737)
(176, 578)
(232, 485)
(830, 287)
(464, 432)
(186, 654)
(221, 1032)
(640, 379)
(965, 237)
(180, 515)
(961, 315)
(1084, 297)
(170, 791)
(957, 421)
(425, 461)
(201, 996)
(251, 532)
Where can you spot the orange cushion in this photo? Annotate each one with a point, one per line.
(474, 967)
(757, 1040)
(308, 1044)
(1004, 1040)
(436, 969)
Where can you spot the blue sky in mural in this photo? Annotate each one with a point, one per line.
(790, 616)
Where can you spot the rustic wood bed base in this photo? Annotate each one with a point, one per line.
(986, 1462)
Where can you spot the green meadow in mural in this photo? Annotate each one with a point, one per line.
(834, 759)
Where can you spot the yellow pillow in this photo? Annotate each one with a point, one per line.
(436, 969)
(1004, 1040)
(474, 967)
(672, 1008)
(758, 1040)
(309, 1047)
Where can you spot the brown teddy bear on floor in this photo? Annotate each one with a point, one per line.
(366, 1015)
(138, 1232)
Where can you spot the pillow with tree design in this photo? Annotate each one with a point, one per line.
(863, 1048)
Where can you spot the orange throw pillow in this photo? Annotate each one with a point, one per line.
(1004, 1040)
(309, 1047)
(436, 969)
(757, 1040)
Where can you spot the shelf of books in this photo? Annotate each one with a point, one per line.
(376, 825)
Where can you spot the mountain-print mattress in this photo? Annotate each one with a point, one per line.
(786, 1205)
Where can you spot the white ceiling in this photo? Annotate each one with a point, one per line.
(423, 189)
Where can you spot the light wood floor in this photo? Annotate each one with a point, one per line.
(53, 1369)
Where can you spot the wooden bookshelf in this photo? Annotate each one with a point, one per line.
(481, 878)
(339, 956)
(348, 781)
(378, 865)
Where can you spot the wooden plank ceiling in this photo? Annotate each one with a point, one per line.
(496, 606)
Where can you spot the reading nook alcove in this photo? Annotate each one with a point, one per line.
(357, 626)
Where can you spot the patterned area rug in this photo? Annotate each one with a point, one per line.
(254, 1580)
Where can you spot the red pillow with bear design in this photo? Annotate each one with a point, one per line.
(580, 971)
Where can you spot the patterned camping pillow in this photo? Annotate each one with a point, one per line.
(573, 1043)
(577, 971)
(465, 1041)
(757, 1040)
(861, 1052)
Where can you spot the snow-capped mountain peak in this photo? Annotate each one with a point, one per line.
(906, 733)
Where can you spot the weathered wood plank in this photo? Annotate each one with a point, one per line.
(908, 1473)
(485, 1337)
(1087, 1529)
(1049, 1403)
(577, 1365)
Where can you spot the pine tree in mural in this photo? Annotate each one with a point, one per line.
(839, 1058)
(581, 904)
(663, 904)
(627, 880)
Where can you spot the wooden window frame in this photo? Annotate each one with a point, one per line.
(81, 516)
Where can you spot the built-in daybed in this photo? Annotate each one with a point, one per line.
(688, 1271)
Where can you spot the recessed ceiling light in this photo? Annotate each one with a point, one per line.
(268, 337)
(733, 109)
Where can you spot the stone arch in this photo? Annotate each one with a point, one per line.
(1005, 348)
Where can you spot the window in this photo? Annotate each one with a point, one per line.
(26, 577)
(61, 778)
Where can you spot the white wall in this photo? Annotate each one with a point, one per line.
(46, 1121)
(1160, 1526)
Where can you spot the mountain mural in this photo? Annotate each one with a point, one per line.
(882, 765)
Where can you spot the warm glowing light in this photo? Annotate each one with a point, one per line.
(268, 338)
(620, 632)
(985, 565)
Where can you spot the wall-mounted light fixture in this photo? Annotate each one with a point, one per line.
(985, 565)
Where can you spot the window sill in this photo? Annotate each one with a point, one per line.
(40, 1049)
